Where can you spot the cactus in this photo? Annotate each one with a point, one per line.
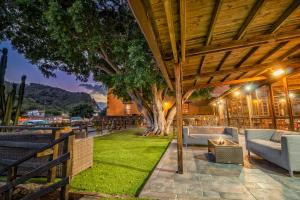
(20, 99)
(3, 64)
(7, 104)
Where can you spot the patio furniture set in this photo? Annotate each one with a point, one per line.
(277, 146)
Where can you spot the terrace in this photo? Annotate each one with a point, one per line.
(253, 47)
(249, 46)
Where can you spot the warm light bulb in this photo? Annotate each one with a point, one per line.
(292, 95)
(282, 100)
(278, 72)
(166, 105)
(237, 93)
(248, 87)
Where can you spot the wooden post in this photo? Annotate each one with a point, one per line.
(67, 167)
(178, 81)
(11, 176)
(52, 172)
(288, 103)
(250, 109)
(271, 104)
(227, 112)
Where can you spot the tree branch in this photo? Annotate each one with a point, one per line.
(108, 61)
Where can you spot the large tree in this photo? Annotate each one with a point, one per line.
(91, 36)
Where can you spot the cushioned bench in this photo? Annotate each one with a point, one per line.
(199, 135)
(277, 146)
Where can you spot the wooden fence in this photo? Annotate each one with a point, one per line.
(51, 149)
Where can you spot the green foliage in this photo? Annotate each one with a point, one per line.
(204, 93)
(56, 100)
(82, 110)
(122, 163)
(81, 37)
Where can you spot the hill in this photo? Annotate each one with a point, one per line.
(55, 99)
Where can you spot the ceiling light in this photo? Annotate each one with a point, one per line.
(292, 95)
(278, 72)
(248, 88)
(237, 93)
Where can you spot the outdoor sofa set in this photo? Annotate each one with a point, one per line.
(277, 146)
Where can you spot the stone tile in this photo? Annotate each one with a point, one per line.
(203, 179)
(211, 194)
(239, 196)
(267, 194)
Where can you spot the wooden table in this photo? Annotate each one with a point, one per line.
(228, 152)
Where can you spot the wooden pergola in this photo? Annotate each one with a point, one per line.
(208, 43)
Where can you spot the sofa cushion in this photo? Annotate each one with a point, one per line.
(210, 136)
(267, 143)
(205, 130)
(276, 137)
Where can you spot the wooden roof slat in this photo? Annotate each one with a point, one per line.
(216, 11)
(253, 32)
(213, 21)
(248, 42)
(267, 55)
(293, 62)
(239, 64)
(270, 53)
(279, 22)
(289, 52)
(210, 79)
(254, 11)
(144, 22)
(231, 82)
(170, 19)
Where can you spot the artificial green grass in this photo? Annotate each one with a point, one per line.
(122, 163)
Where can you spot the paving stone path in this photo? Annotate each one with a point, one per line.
(204, 179)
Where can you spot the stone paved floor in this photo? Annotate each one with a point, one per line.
(204, 179)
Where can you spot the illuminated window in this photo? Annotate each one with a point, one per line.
(128, 108)
(185, 108)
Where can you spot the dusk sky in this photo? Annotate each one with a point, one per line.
(17, 66)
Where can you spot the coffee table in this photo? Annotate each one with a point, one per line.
(228, 152)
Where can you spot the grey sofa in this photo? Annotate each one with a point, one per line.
(277, 146)
(199, 135)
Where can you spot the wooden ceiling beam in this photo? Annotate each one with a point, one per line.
(252, 14)
(183, 28)
(231, 82)
(270, 53)
(213, 21)
(240, 63)
(245, 43)
(145, 24)
(262, 66)
(241, 32)
(280, 21)
(170, 22)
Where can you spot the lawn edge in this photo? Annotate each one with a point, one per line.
(151, 172)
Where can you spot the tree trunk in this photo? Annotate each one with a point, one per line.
(158, 120)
